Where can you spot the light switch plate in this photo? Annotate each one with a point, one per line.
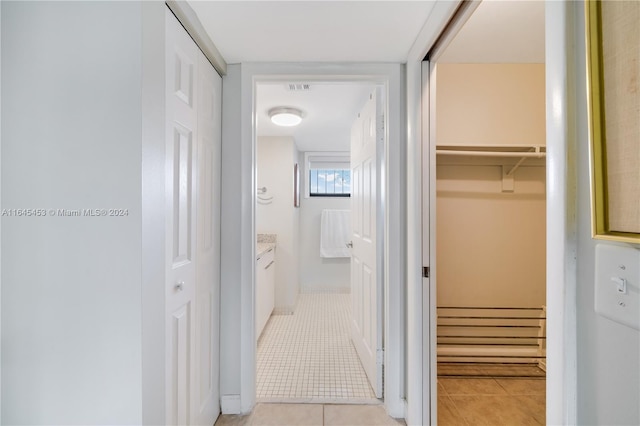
(617, 284)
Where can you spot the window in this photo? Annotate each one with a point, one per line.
(329, 182)
(328, 174)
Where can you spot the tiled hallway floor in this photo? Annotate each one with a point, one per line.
(461, 402)
(311, 414)
(309, 357)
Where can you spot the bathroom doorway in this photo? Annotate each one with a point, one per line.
(305, 189)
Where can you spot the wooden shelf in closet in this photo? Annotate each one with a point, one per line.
(510, 157)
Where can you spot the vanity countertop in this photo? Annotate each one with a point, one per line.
(262, 248)
(264, 243)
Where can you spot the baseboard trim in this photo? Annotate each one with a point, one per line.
(230, 404)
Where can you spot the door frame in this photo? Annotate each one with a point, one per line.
(0, 220)
(561, 401)
(418, 385)
(238, 386)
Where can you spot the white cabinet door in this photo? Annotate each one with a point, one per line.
(265, 289)
(366, 290)
(193, 120)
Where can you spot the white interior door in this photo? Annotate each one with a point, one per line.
(206, 402)
(192, 230)
(181, 67)
(366, 288)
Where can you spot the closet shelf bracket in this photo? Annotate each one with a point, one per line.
(534, 150)
(507, 176)
(508, 184)
(516, 166)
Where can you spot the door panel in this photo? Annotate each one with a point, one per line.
(193, 117)
(209, 86)
(366, 321)
(205, 349)
(356, 291)
(356, 208)
(183, 80)
(368, 199)
(181, 118)
(368, 280)
(181, 356)
(182, 209)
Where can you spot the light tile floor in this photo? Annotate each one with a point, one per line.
(491, 401)
(311, 414)
(309, 357)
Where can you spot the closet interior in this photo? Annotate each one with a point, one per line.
(490, 226)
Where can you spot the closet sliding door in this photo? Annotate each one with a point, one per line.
(193, 106)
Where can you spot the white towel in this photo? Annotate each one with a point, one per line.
(335, 233)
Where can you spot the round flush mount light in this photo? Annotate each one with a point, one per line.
(284, 116)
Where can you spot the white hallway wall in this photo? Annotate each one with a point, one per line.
(71, 286)
(275, 158)
(83, 297)
(608, 355)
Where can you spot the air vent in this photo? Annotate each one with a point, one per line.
(298, 87)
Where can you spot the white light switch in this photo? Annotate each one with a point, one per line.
(617, 292)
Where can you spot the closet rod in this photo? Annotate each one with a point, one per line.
(491, 153)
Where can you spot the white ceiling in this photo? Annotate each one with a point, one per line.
(329, 109)
(355, 31)
(313, 31)
(500, 32)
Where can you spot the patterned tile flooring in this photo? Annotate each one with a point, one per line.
(491, 395)
(309, 357)
(472, 402)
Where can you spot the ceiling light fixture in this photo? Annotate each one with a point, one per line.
(284, 116)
